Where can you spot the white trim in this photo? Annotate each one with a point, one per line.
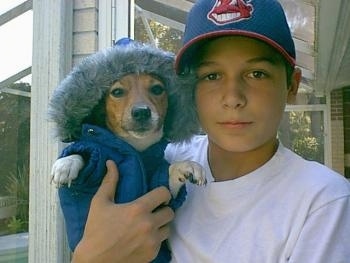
(104, 24)
(123, 19)
(116, 20)
(328, 131)
(52, 59)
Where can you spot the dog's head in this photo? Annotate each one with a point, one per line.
(137, 78)
(136, 106)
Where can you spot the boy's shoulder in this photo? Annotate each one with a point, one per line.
(315, 176)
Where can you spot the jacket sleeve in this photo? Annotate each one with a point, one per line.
(161, 178)
(94, 168)
(75, 200)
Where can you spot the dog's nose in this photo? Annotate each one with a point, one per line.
(141, 113)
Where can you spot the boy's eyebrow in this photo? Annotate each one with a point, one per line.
(204, 63)
(269, 59)
(273, 60)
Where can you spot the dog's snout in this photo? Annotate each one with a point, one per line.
(141, 113)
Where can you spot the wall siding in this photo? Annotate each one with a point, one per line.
(85, 29)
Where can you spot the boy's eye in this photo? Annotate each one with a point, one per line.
(257, 75)
(118, 92)
(157, 89)
(211, 76)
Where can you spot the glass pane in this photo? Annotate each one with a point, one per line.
(303, 132)
(14, 171)
(18, 45)
(301, 19)
(165, 37)
(6, 5)
(307, 98)
(301, 16)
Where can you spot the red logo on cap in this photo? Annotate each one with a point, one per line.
(228, 11)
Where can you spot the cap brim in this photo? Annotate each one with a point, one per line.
(186, 52)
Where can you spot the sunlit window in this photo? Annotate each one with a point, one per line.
(15, 87)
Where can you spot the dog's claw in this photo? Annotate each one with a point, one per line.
(66, 169)
(182, 171)
(182, 179)
(189, 176)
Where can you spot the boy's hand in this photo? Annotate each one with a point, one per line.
(130, 232)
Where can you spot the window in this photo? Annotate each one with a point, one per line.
(15, 87)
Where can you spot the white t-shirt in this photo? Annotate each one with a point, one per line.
(288, 210)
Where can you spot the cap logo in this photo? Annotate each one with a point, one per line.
(230, 11)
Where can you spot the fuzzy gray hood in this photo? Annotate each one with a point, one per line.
(79, 98)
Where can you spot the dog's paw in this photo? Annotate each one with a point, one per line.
(66, 169)
(187, 170)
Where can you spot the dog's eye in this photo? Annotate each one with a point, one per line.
(118, 92)
(157, 89)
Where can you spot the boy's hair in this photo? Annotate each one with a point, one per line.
(263, 20)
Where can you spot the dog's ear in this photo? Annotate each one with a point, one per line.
(181, 122)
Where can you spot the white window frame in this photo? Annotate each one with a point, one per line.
(113, 22)
(324, 108)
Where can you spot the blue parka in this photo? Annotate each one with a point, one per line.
(139, 173)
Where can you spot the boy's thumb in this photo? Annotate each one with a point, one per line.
(109, 183)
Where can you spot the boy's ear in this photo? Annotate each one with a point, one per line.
(294, 86)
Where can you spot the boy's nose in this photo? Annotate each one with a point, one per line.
(234, 96)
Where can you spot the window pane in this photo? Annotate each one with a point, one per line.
(303, 132)
(163, 36)
(14, 171)
(17, 48)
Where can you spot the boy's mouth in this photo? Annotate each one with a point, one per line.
(235, 124)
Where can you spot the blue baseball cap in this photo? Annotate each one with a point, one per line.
(264, 20)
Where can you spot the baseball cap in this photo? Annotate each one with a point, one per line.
(264, 20)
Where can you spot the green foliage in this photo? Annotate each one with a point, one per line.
(301, 132)
(18, 185)
(14, 132)
(16, 225)
(166, 38)
(14, 152)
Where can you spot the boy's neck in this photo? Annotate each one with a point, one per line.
(227, 165)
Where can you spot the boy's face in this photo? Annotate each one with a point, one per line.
(241, 92)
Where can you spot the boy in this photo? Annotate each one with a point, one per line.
(263, 203)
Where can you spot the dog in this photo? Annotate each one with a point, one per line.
(126, 104)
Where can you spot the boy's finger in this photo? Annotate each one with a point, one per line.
(155, 198)
(109, 183)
